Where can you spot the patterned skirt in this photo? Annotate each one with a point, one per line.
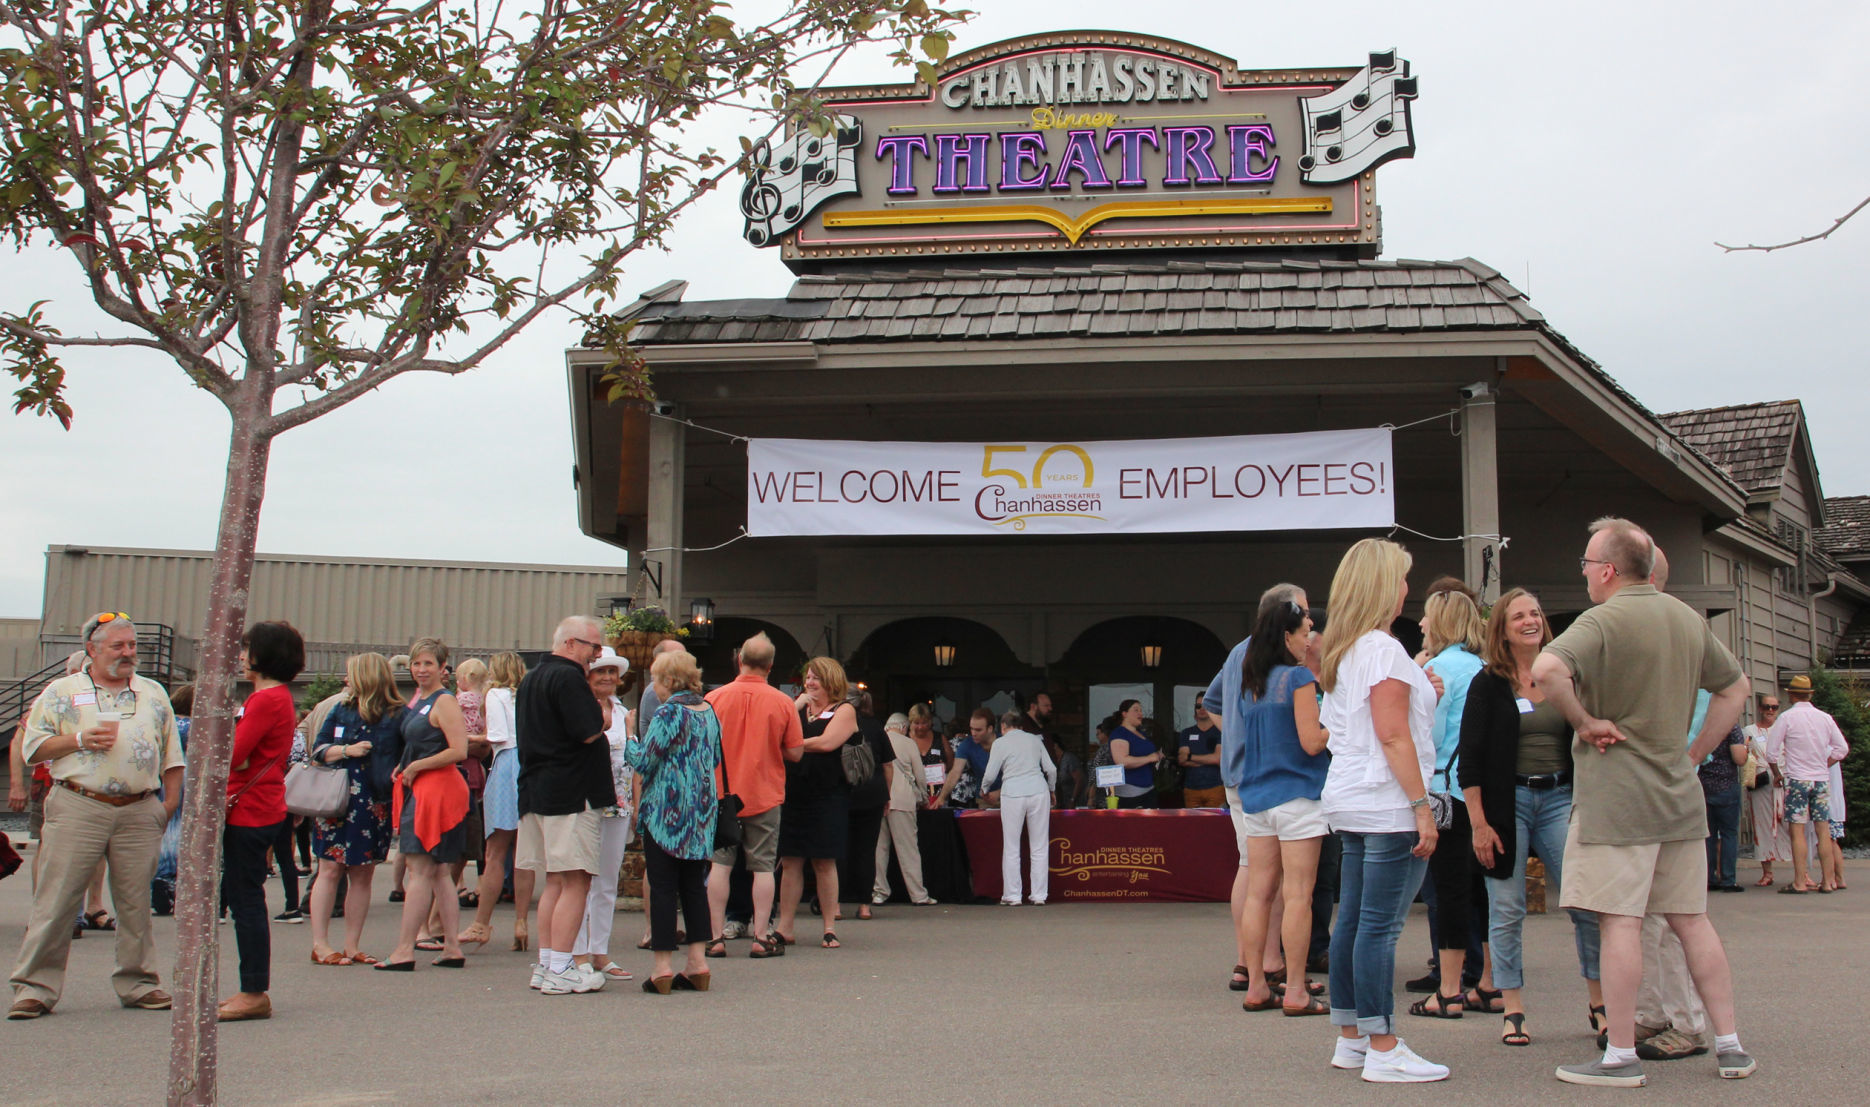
(500, 801)
(362, 836)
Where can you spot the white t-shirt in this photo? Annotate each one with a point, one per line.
(1361, 793)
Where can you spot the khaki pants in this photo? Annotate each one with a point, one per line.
(899, 827)
(79, 832)
(1668, 996)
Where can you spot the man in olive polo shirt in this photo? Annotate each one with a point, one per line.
(1625, 676)
(564, 784)
(114, 749)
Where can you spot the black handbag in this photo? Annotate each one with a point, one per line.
(726, 813)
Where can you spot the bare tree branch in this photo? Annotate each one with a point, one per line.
(1826, 233)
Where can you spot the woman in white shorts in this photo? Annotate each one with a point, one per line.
(1284, 774)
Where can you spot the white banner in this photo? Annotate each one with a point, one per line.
(1314, 481)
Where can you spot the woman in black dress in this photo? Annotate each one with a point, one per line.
(430, 807)
(816, 814)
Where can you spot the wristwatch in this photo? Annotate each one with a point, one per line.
(1423, 802)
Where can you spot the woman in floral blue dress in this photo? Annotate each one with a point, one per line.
(676, 761)
(364, 734)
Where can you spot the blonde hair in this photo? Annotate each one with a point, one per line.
(505, 670)
(1452, 618)
(831, 675)
(373, 686)
(1364, 592)
(676, 671)
(920, 712)
(471, 675)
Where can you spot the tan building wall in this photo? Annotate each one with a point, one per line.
(340, 605)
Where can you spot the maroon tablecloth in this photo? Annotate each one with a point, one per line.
(1110, 856)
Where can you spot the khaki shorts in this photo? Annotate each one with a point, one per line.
(1204, 797)
(1295, 820)
(560, 843)
(759, 839)
(1653, 878)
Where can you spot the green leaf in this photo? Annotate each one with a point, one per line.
(935, 46)
(926, 71)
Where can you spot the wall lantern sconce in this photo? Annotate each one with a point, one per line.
(944, 654)
(1152, 655)
(701, 620)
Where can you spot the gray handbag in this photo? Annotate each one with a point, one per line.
(318, 791)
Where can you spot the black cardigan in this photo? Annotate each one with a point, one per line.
(1490, 758)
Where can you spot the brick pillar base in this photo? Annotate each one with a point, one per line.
(630, 883)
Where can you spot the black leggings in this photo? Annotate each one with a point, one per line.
(243, 890)
(1458, 886)
(672, 878)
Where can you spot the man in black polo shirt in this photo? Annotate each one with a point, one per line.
(564, 782)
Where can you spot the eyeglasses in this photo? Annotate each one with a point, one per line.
(106, 616)
(1583, 561)
(1769, 707)
(586, 642)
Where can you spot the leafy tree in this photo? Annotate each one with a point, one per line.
(1845, 697)
(297, 200)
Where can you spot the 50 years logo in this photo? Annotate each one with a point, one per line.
(1057, 487)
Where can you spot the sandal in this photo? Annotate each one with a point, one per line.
(99, 920)
(469, 900)
(830, 941)
(717, 947)
(1600, 1022)
(396, 895)
(1484, 1001)
(1513, 1030)
(644, 944)
(614, 971)
(1273, 1003)
(1313, 1006)
(1312, 987)
(430, 945)
(1791, 890)
(330, 958)
(1239, 982)
(1446, 1007)
(360, 958)
(475, 935)
(1763, 882)
(521, 939)
(768, 946)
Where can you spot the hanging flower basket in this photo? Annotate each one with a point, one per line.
(637, 647)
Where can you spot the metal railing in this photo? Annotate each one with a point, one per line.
(155, 659)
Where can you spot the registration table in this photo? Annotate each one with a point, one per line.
(1178, 856)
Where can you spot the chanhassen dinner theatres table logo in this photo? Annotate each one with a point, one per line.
(1131, 863)
(1087, 140)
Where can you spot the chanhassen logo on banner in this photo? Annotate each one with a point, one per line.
(1311, 481)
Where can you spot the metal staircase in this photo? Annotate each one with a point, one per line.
(155, 659)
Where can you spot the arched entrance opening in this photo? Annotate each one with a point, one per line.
(717, 655)
(955, 665)
(1159, 659)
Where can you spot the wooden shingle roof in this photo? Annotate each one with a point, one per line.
(1103, 300)
(1752, 442)
(1846, 533)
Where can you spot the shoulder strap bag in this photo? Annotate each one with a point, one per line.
(726, 811)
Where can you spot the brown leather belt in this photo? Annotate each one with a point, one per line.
(102, 797)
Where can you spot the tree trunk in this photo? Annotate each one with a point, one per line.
(192, 1046)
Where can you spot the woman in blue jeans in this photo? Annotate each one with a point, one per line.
(1379, 709)
(1516, 773)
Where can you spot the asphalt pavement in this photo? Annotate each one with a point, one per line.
(1068, 1003)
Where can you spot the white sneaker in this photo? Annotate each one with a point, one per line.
(1350, 1053)
(538, 977)
(593, 977)
(565, 983)
(1401, 1066)
(734, 930)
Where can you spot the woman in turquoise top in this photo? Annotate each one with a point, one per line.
(1455, 634)
(675, 760)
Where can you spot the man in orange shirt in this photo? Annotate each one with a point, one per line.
(760, 732)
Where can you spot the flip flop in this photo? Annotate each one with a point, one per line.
(332, 958)
(431, 945)
(830, 941)
(1272, 1004)
(1790, 890)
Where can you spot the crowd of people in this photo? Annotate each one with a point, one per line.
(1356, 774)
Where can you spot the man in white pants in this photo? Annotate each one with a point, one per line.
(1026, 780)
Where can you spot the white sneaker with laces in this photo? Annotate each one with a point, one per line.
(538, 976)
(1350, 1052)
(592, 977)
(734, 930)
(564, 983)
(1401, 1065)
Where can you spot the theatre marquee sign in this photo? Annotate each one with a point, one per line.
(1089, 140)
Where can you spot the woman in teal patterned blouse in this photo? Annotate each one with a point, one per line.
(676, 760)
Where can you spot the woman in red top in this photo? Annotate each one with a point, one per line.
(256, 805)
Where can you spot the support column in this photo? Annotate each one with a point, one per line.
(662, 536)
(1480, 491)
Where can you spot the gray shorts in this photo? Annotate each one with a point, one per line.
(759, 840)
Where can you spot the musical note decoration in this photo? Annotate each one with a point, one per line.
(1360, 124)
(787, 183)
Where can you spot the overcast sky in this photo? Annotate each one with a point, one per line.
(1591, 152)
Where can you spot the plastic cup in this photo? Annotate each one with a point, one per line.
(108, 721)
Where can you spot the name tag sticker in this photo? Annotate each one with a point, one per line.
(83, 699)
(934, 774)
(1525, 706)
(1109, 776)
(337, 732)
(425, 709)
